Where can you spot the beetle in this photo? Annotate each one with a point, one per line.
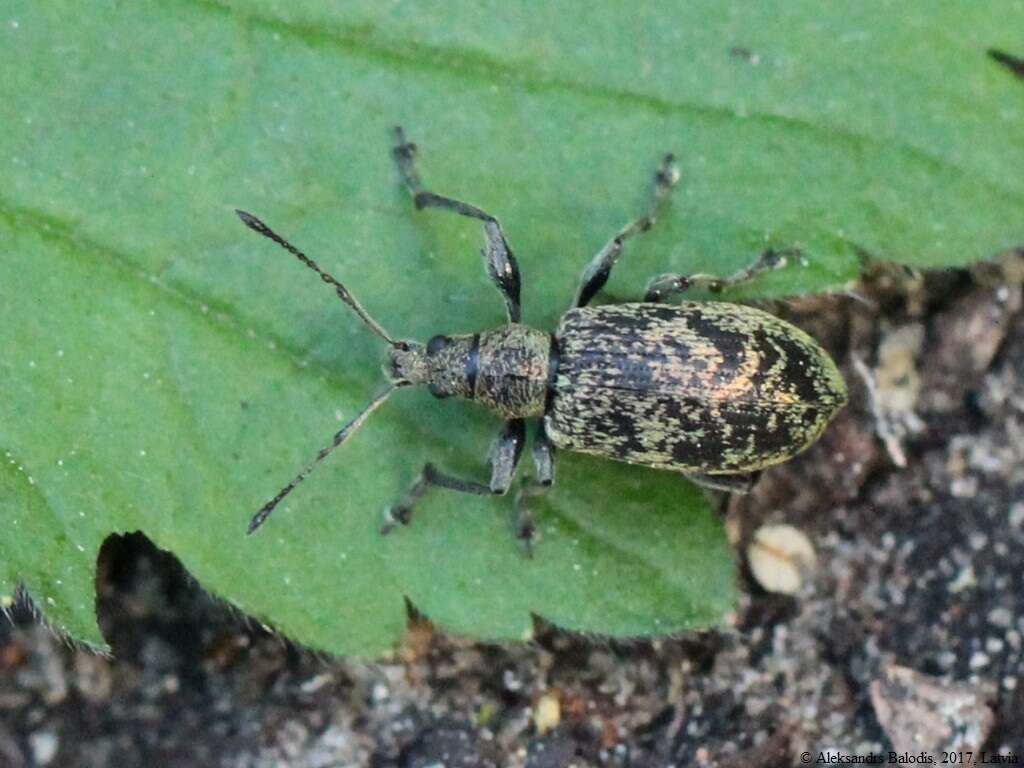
(716, 391)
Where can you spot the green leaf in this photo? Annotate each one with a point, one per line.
(165, 370)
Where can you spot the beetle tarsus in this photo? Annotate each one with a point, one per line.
(660, 287)
(527, 534)
(600, 267)
(736, 483)
(502, 267)
(544, 461)
(526, 531)
(395, 516)
(505, 453)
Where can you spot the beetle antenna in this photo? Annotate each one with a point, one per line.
(339, 437)
(256, 225)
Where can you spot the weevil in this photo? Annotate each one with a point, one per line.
(715, 391)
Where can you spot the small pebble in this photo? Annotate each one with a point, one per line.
(44, 746)
(547, 713)
(779, 556)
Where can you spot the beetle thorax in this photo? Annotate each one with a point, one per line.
(505, 369)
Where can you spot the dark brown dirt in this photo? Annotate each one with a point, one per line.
(918, 567)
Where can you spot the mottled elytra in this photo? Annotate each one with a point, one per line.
(713, 390)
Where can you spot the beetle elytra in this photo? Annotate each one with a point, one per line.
(714, 390)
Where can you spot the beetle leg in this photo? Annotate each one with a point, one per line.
(739, 483)
(665, 285)
(544, 456)
(525, 529)
(598, 270)
(502, 267)
(504, 456)
(544, 461)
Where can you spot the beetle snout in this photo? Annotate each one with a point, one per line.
(407, 362)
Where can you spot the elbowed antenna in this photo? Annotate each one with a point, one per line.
(339, 437)
(256, 225)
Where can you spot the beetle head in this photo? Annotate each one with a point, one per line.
(407, 363)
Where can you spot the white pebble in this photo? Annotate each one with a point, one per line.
(778, 556)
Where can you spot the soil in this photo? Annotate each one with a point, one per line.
(905, 630)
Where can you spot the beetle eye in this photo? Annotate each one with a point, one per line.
(436, 344)
(438, 392)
